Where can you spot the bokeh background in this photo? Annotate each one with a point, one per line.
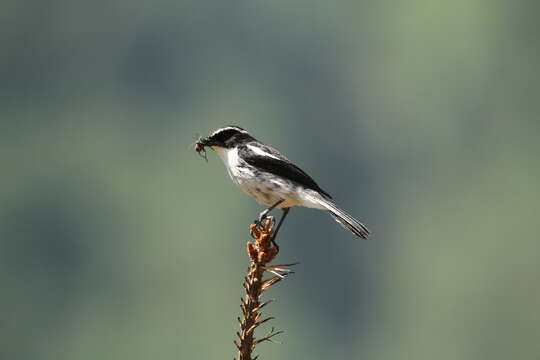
(420, 117)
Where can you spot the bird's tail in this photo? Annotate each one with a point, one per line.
(344, 219)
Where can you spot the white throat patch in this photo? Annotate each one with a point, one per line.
(229, 156)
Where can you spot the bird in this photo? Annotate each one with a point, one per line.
(272, 179)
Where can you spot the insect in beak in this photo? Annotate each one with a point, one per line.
(199, 148)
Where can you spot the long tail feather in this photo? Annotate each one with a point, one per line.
(345, 219)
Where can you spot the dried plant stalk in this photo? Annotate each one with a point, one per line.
(261, 252)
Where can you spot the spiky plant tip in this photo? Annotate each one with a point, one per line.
(261, 252)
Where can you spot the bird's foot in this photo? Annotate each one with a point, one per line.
(261, 220)
(261, 225)
(263, 216)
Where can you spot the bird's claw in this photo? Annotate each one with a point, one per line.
(262, 217)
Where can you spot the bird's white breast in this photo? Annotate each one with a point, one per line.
(229, 156)
(265, 188)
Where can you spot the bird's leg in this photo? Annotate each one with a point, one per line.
(263, 214)
(285, 212)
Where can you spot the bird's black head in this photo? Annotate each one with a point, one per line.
(226, 137)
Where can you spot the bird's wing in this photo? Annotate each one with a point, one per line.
(270, 160)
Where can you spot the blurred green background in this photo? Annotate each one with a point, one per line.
(420, 117)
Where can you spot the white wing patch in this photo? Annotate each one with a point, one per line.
(261, 152)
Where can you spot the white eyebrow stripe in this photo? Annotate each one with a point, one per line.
(259, 151)
(228, 128)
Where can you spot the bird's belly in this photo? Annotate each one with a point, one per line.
(267, 190)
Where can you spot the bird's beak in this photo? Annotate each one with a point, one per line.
(204, 142)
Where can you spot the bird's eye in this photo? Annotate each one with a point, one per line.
(225, 135)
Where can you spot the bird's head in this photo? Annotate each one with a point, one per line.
(223, 138)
